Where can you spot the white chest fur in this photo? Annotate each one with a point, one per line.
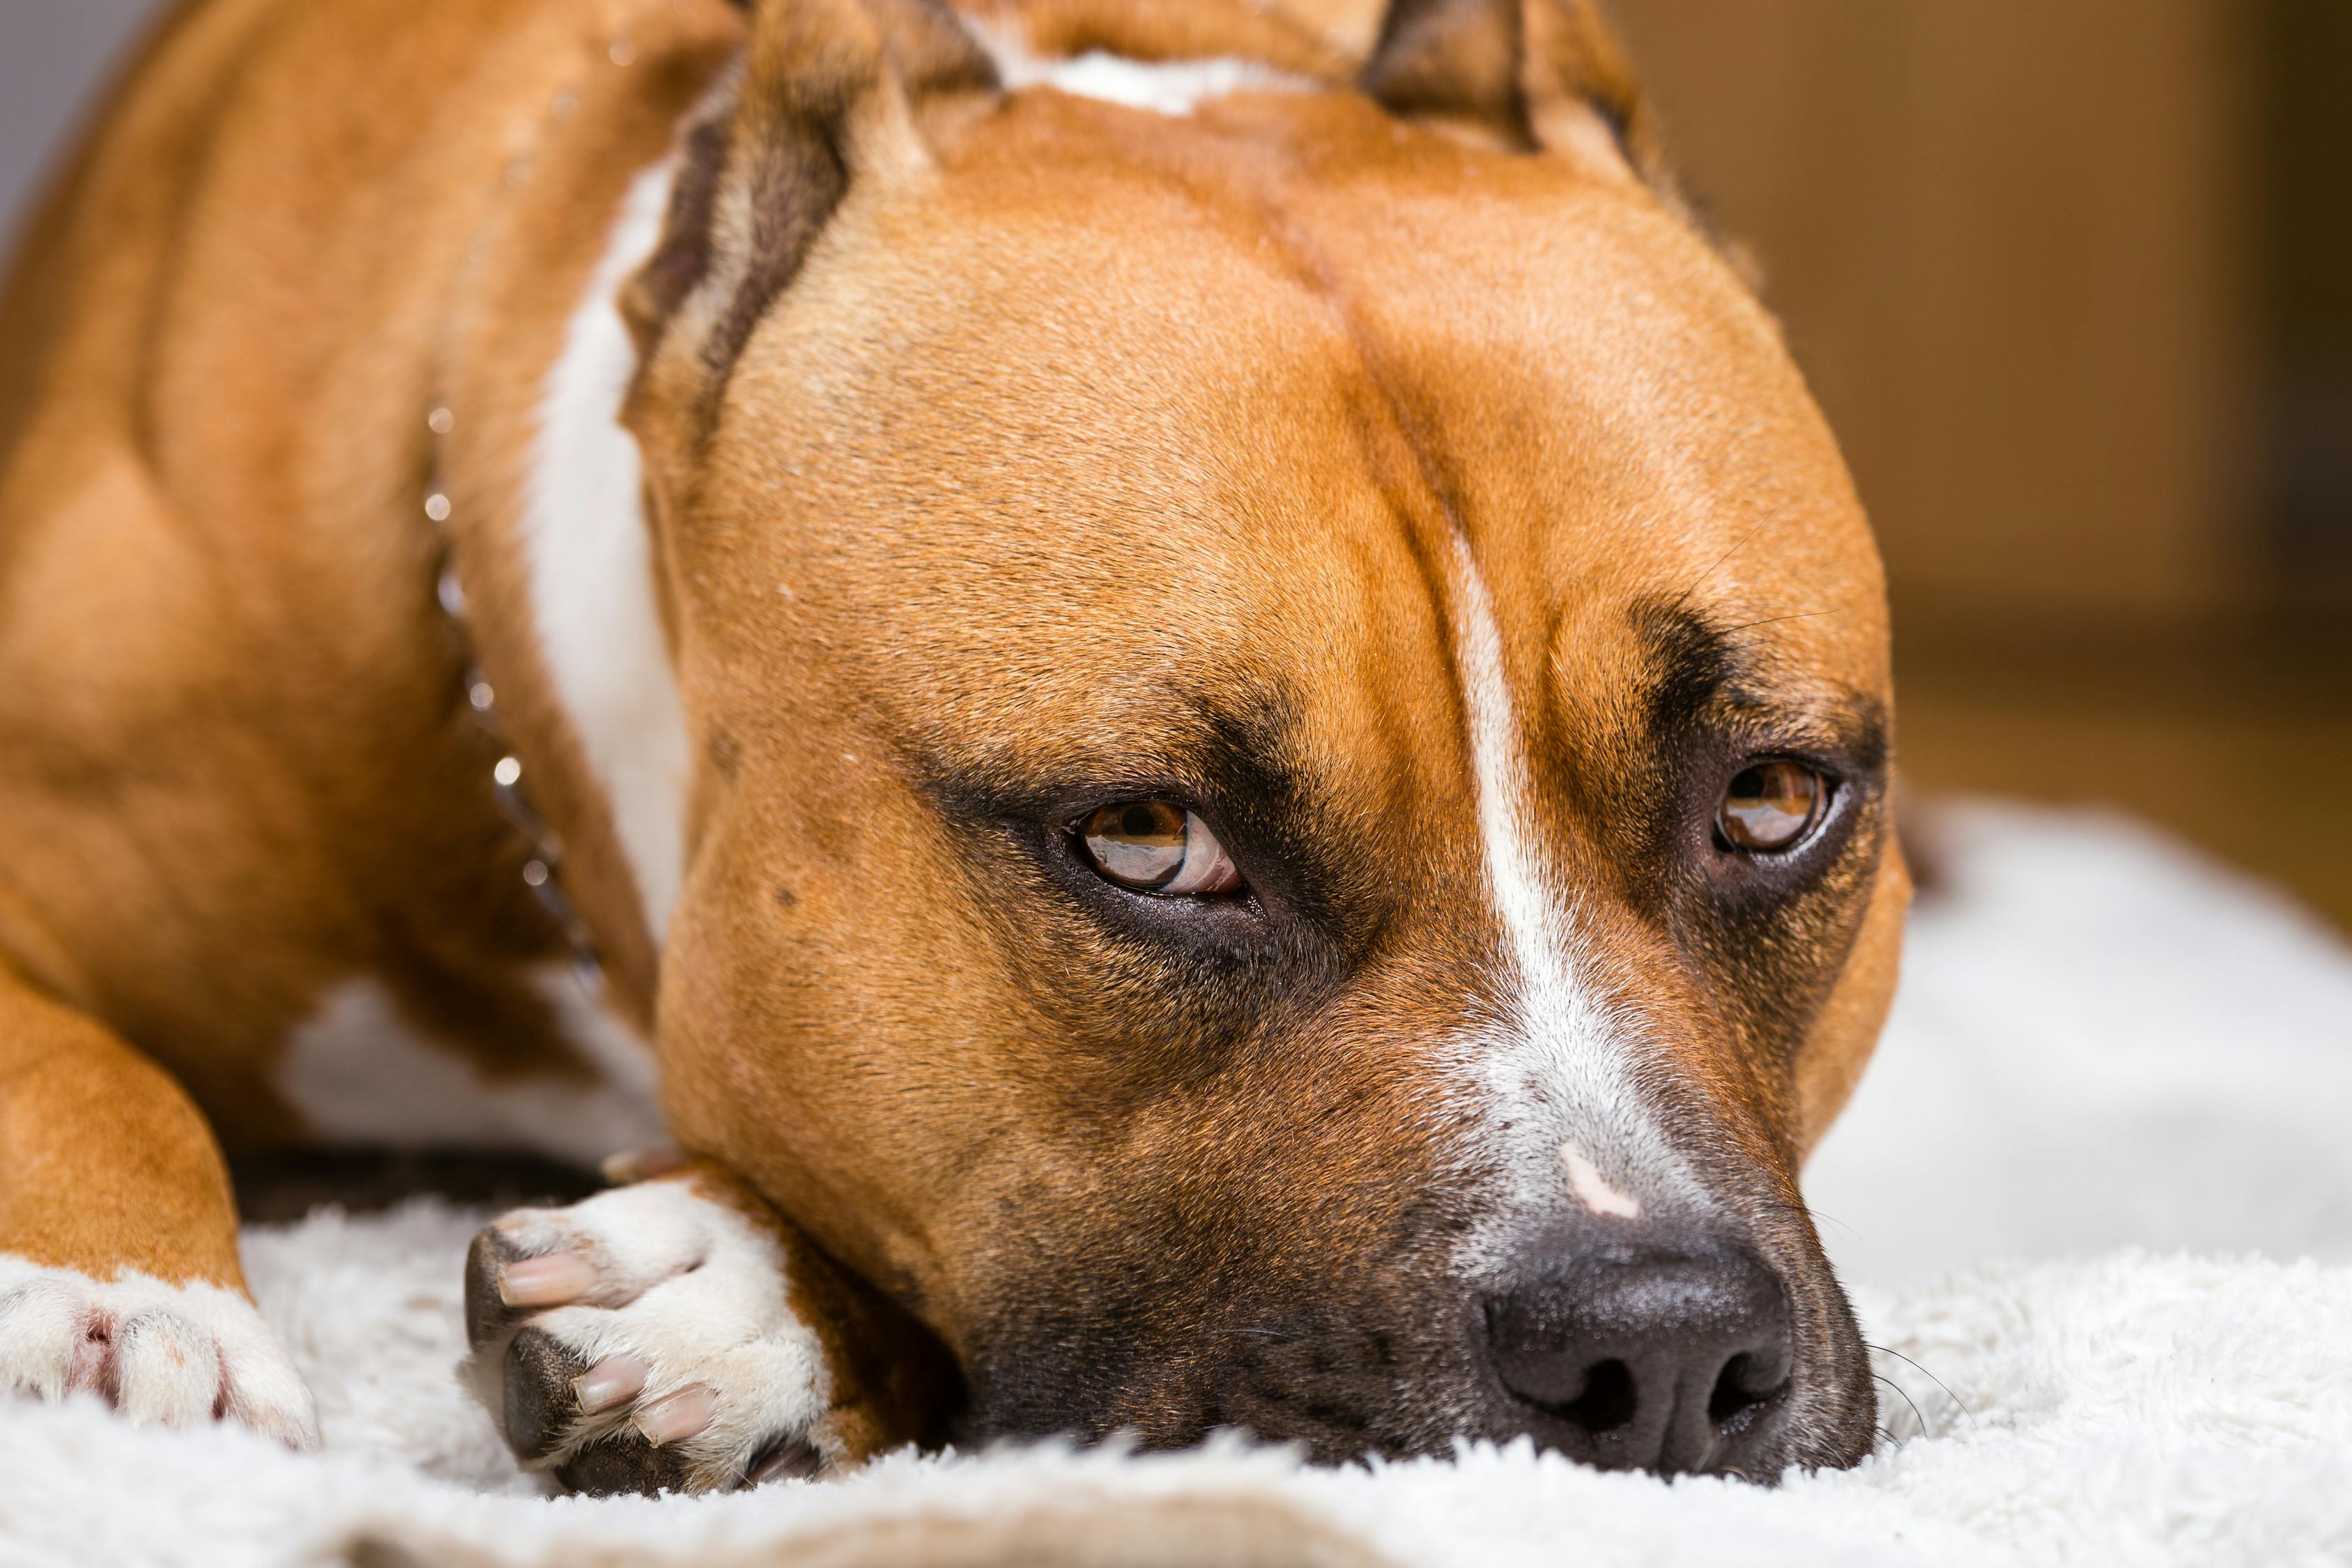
(1162, 87)
(359, 1072)
(590, 566)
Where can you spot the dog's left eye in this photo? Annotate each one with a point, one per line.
(1770, 806)
(1157, 846)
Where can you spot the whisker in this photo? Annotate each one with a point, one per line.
(1917, 1413)
(1812, 1212)
(1931, 1377)
(1776, 620)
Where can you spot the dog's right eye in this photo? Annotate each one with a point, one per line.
(1157, 846)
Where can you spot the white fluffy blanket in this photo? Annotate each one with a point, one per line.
(2109, 1112)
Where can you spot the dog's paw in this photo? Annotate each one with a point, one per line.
(645, 1340)
(178, 1354)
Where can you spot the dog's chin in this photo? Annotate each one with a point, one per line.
(1827, 1427)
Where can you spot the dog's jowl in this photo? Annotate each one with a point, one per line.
(1186, 687)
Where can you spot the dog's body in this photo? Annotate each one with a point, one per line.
(1392, 481)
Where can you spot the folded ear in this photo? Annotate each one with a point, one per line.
(1533, 74)
(826, 96)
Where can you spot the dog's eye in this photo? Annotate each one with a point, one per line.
(1155, 846)
(1770, 806)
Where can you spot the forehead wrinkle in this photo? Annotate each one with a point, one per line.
(1400, 455)
(1402, 430)
(1263, 176)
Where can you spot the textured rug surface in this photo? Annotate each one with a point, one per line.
(2095, 1202)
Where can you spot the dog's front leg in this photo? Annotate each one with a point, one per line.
(680, 1334)
(119, 1271)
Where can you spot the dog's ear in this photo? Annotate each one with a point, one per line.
(1531, 74)
(825, 95)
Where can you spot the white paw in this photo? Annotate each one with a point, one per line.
(643, 1339)
(178, 1354)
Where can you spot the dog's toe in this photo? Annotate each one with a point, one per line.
(542, 1393)
(626, 1463)
(645, 1340)
(176, 1355)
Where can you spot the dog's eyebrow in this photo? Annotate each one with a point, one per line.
(1691, 663)
(1234, 750)
(1706, 677)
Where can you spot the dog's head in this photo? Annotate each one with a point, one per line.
(1292, 822)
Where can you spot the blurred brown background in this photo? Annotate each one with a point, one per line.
(2074, 282)
(2074, 279)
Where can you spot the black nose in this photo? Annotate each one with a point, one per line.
(1648, 1355)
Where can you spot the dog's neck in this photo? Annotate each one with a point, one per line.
(589, 579)
(542, 492)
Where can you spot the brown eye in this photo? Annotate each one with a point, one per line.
(1770, 806)
(1155, 846)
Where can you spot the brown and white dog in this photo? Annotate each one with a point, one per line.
(1202, 675)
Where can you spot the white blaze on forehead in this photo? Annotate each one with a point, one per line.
(1557, 1071)
(590, 567)
(1173, 88)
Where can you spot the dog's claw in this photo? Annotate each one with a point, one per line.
(554, 1280)
(789, 1459)
(612, 1381)
(674, 1417)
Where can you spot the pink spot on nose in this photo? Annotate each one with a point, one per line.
(1592, 1189)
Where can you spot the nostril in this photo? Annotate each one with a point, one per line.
(1744, 1383)
(1608, 1401)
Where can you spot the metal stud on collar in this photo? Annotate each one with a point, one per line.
(541, 871)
